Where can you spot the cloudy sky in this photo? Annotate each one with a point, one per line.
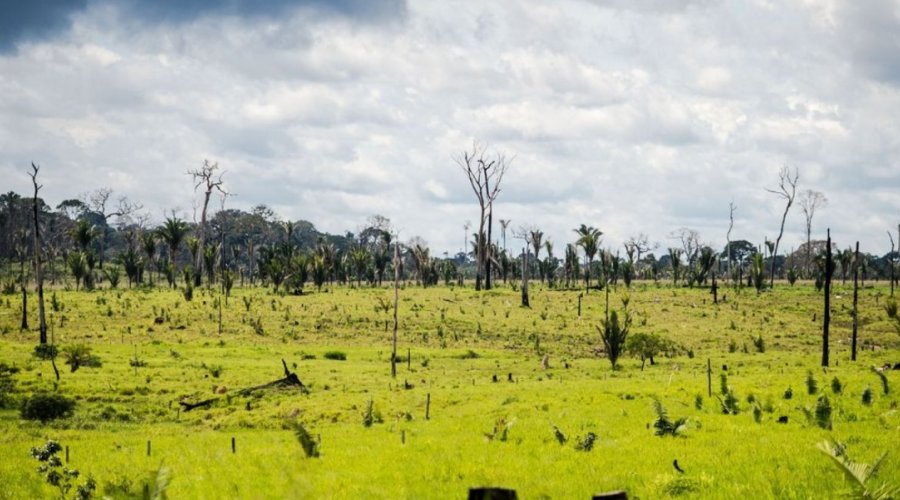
(631, 116)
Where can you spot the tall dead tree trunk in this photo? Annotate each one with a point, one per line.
(525, 277)
(38, 268)
(731, 208)
(396, 305)
(787, 189)
(826, 318)
(205, 176)
(855, 301)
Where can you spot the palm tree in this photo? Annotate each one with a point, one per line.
(360, 258)
(675, 257)
(536, 236)
(83, 234)
(571, 264)
(148, 245)
(173, 232)
(589, 241)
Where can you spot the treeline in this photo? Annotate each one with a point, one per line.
(85, 243)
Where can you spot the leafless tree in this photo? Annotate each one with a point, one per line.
(731, 209)
(396, 263)
(787, 190)
(38, 268)
(891, 262)
(485, 173)
(637, 245)
(504, 223)
(99, 202)
(206, 177)
(809, 201)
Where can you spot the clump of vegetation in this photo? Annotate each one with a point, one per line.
(310, 446)
(664, 426)
(586, 442)
(823, 412)
(759, 343)
(7, 384)
(646, 346)
(614, 334)
(500, 432)
(46, 407)
(335, 355)
(789, 393)
(371, 415)
(45, 351)
(812, 386)
(558, 434)
(867, 396)
(79, 355)
(59, 476)
(215, 370)
(836, 386)
(470, 354)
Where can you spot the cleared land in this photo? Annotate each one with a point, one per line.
(158, 349)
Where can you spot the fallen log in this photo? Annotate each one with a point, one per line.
(290, 379)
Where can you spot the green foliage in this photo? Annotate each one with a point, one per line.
(647, 346)
(46, 407)
(45, 351)
(371, 415)
(335, 355)
(789, 393)
(758, 271)
(759, 344)
(836, 386)
(586, 442)
(867, 396)
(558, 434)
(792, 276)
(812, 386)
(79, 355)
(7, 384)
(860, 474)
(614, 334)
(113, 275)
(664, 426)
(823, 412)
(60, 477)
(500, 432)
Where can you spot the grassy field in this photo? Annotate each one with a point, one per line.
(493, 407)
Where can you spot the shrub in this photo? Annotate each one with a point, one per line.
(759, 343)
(79, 355)
(46, 407)
(59, 476)
(823, 412)
(614, 334)
(789, 393)
(309, 445)
(812, 386)
(867, 396)
(664, 426)
(470, 354)
(336, 355)
(45, 351)
(836, 386)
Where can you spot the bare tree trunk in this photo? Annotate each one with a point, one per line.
(827, 316)
(38, 268)
(728, 235)
(396, 305)
(489, 256)
(525, 277)
(855, 301)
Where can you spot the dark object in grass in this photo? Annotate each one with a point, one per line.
(336, 356)
(492, 494)
(611, 495)
(46, 407)
(290, 379)
(677, 467)
(783, 419)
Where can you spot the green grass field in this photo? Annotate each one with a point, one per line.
(459, 340)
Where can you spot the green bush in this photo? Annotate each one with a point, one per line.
(45, 351)
(46, 407)
(336, 355)
(79, 355)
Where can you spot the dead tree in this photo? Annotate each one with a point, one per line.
(637, 245)
(809, 201)
(891, 260)
(205, 176)
(787, 190)
(826, 318)
(290, 380)
(731, 209)
(396, 305)
(98, 201)
(855, 301)
(38, 268)
(485, 174)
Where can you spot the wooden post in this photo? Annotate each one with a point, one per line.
(826, 321)
(402, 437)
(408, 359)
(428, 406)
(855, 301)
(715, 290)
(233, 445)
(709, 377)
(396, 305)
(579, 304)
(67, 454)
(220, 315)
(148, 447)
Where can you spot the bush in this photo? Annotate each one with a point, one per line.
(45, 351)
(812, 386)
(79, 355)
(46, 407)
(823, 412)
(336, 355)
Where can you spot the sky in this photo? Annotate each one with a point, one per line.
(632, 116)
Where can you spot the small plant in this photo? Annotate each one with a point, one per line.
(371, 415)
(614, 334)
(79, 355)
(729, 403)
(789, 393)
(309, 445)
(558, 434)
(470, 354)
(867, 396)
(501, 430)
(215, 370)
(698, 402)
(257, 326)
(586, 442)
(58, 476)
(723, 383)
(46, 407)
(759, 343)
(812, 386)
(45, 351)
(823, 412)
(890, 308)
(836, 386)
(335, 355)
(664, 426)
(757, 413)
